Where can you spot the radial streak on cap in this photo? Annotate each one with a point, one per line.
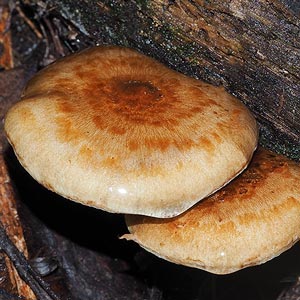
(251, 220)
(114, 129)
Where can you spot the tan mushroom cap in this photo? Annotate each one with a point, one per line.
(251, 220)
(115, 129)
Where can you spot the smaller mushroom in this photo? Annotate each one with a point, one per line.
(250, 221)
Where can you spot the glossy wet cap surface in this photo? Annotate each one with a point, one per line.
(251, 220)
(112, 128)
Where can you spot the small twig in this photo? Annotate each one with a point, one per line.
(41, 289)
(29, 23)
(57, 44)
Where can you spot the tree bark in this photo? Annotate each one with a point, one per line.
(251, 47)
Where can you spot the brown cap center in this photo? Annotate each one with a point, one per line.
(135, 93)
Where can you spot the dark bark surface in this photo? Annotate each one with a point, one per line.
(251, 47)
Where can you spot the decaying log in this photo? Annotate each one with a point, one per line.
(251, 47)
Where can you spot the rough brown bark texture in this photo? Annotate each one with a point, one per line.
(251, 47)
(10, 220)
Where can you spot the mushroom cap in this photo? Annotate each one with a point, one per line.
(250, 221)
(112, 128)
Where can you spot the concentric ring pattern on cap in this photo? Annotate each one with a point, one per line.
(251, 220)
(115, 129)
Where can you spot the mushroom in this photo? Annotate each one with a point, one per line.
(248, 222)
(114, 129)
